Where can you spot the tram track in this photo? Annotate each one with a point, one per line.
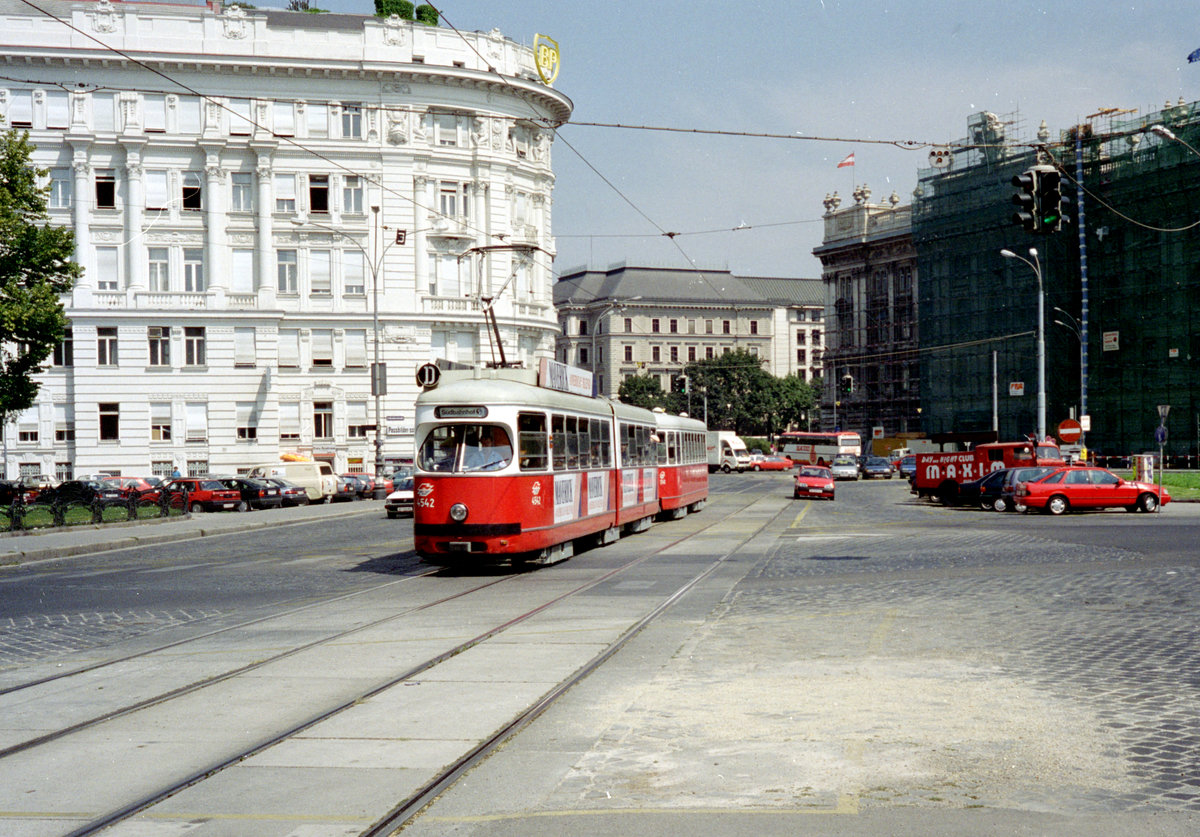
(195, 775)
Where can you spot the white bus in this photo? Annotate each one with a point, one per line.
(817, 448)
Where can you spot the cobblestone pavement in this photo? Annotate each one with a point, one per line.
(27, 639)
(926, 660)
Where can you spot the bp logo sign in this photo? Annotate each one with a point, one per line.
(545, 54)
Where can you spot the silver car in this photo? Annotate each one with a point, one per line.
(844, 467)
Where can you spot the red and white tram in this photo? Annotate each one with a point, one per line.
(512, 467)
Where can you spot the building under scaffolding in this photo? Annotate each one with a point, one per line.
(1141, 249)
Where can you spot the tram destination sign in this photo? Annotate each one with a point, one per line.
(456, 412)
(564, 378)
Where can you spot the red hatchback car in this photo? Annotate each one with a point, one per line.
(814, 481)
(205, 494)
(1065, 489)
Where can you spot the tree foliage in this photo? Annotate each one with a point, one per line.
(642, 391)
(741, 395)
(36, 267)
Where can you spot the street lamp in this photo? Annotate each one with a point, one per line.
(378, 373)
(1036, 266)
(613, 304)
(1076, 328)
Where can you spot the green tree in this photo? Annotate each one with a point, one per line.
(642, 391)
(387, 8)
(35, 270)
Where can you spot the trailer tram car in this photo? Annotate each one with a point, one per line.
(517, 466)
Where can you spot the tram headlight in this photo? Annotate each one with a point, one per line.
(458, 512)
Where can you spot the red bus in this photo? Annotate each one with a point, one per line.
(817, 448)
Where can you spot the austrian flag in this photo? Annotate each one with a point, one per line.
(849, 161)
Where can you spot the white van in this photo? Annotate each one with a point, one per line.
(316, 478)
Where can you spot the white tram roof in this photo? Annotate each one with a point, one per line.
(519, 388)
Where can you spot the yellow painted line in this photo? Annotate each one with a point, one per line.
(847, 805)
(796, 523)
(881, 632)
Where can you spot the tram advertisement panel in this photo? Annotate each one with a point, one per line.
(638, 486)
(597, 485)
(566, 490)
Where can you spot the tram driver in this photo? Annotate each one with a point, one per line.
(486, 449)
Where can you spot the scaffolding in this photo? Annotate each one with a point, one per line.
(978, 310)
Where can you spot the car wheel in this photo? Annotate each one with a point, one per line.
(1020, 507)
(726, 468)
(392, 515)
(243, 506)
(197, 508)
(795, 495)
(1057, 504)
(1148, 502)
(1000, 504)
(756, 468)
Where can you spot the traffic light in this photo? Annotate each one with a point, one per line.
(1050, 201)
(847, 384)
(1027, 214)
(679, 383)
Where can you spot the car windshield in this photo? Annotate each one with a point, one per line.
(844, 459)
(465, 447)
(815, 472)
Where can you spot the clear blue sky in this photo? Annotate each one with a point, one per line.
(909, 70)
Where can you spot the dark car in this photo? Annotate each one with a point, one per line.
(255, 493)
(908, 466)
(348, 488)
(876, 466)
(363, 484)
(1007, 501)
(81, 492)
(985, 491)
(203, 494)
(290, 494)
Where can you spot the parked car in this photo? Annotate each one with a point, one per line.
(254, 493)
(400, 501)
(876, 466)
(984, 491)
(81, 492)
(844, 467)
(1066, 489)
(204, 494)
(348, 488)
(401, 472)
(290, 494)
(814, 481)
(771, 463)
(908, 466)
(35, 484)
(134, 486)
(1007, 501)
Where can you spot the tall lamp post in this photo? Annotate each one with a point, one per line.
(1036, 266)
(374, 260)
(1076, 328)
(615, 304)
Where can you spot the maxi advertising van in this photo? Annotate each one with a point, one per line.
(316, 478)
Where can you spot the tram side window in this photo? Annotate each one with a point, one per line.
(601, 449)
(531, 436)
(572, 443)
(585, 444)
(626, 444)
(558, 439)
(673, 447)
(645, 453)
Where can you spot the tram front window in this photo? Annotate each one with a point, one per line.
(466, 447)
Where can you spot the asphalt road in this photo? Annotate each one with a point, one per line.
(872, 665)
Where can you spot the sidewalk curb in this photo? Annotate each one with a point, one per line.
(183, 529)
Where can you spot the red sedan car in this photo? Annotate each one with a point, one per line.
(814, 481)
(771, 463)
(1065, 489)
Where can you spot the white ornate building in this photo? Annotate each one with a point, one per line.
(236, 180)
